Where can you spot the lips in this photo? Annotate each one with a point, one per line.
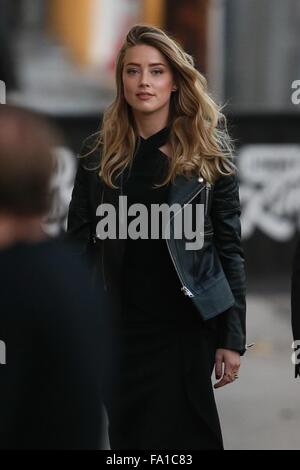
(144, 96)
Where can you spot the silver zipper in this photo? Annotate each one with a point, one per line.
(207, 190)
(184, 289)
(187, 292)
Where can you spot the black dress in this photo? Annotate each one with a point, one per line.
(163, 397)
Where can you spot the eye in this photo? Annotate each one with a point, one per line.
(158, 71)
(131, 71)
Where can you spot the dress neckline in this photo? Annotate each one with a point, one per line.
(156, 140)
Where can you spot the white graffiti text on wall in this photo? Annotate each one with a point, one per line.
(61, 187)
(270, 190)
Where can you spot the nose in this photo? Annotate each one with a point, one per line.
(144, 78)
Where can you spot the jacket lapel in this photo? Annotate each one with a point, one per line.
(183, 189)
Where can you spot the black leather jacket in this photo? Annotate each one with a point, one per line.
(218, 288)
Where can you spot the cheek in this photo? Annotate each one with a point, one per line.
(166, 90)
(165, 86)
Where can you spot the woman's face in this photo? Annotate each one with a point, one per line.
(147, 79)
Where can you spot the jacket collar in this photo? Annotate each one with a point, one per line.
(183, 189)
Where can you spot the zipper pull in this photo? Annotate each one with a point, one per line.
(207, 190)
(187, 292)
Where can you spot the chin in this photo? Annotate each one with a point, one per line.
(147, 111)
(144, 108)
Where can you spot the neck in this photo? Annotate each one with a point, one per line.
(15, 229)
(148, 125)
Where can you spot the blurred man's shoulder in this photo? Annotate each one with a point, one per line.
(50, 260)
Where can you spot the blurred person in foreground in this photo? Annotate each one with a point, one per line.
(51, 321)
(8, 72)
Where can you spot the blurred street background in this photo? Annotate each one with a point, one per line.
(57, 57)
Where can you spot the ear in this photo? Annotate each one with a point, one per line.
(174, 88)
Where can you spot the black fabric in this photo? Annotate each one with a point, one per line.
(215, 275)
(53, 325)
(151, 287)
(295, 304)
(163, 396)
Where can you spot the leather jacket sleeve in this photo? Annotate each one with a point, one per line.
(225, 214)
(295, 304)
(79, 216)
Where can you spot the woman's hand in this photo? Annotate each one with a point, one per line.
(232, 361)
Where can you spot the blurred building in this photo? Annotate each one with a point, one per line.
(262, 53)
(248, 49)
(58, 57)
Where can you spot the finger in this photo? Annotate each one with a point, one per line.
(224, 381)
(228, 372)
(219, 367)
(227, 378)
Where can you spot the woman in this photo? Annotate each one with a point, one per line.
(179, 312)
(295, 304)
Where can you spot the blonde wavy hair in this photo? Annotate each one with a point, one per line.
(200, 144)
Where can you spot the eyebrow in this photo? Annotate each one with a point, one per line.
(151, 65)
